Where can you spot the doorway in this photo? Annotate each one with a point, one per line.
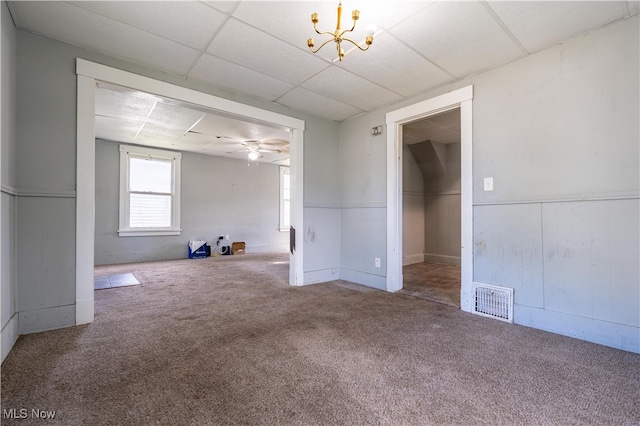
(431, 206)
(87, 75)
(458, 99)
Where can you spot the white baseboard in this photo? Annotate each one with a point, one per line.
(412, 258)
(440, 258)
(321, 276)
(366, 279)
(84, 311)
(9, 335)
(619, 336)
(267, 248)
(46, 319)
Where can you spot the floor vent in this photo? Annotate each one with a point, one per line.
(493, 301)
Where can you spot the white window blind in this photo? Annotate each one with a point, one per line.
(149, 192)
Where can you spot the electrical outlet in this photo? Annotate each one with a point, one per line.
(377, 262)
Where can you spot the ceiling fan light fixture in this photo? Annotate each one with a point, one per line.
(338, 35)
(253, 155)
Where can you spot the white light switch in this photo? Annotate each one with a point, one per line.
(488, 184)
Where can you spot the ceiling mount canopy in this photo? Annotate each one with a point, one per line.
(338, 34)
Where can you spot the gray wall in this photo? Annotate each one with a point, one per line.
(220, 196)
(321, 203)
(413, 213)
(443, 211)
(431, 203)
(559, 133)
(8, 284)
(363, 181)
(46, 167)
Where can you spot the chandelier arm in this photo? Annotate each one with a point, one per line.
(347, 31)
(326, 32)
(323, 32)
(356, 44)
(321, 46)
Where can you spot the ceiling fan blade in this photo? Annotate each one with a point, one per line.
(275, 142)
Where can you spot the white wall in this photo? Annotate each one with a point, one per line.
(220, 196)
(8, 277)
(46, 153)
(559, 133)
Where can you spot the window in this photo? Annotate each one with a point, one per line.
(285, 198)
(149, 192)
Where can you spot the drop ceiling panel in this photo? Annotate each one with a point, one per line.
(304, 100)
(444, 136)
(69, 23)
(117, 129)
(538, 25)
(443, 128)
(254, 49)
(259, 48)
(215, 125)
(251, 131)
(350, 89)
(151, 134)
(232, 131)
(446, 120)
(293, 23)
(125, 105)
(461, 37)
(172, 116)
(226, 7)
(234, 77)
(404, 71)
(188, 22)
(201, 141)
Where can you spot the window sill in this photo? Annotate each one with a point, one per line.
(148, 232)
(284, 229)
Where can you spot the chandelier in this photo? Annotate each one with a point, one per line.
(338, 34)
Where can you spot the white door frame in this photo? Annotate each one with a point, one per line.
(461, 98)
(87, 74)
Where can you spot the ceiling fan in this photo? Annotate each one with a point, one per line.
(256, 148)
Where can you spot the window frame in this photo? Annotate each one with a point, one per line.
(126, 153)
(284, 170)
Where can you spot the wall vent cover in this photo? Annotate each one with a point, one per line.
(493, 301)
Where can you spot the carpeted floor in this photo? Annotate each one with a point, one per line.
(226, 341)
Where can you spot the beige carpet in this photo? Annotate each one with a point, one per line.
(226, 341)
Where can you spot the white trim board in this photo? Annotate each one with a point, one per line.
(9, 336)
(87, 75)
(461, 98)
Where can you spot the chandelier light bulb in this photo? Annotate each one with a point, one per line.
(253, 155)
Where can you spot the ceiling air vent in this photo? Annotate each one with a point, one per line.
(493, 301)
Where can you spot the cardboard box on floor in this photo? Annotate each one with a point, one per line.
(238, 247)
